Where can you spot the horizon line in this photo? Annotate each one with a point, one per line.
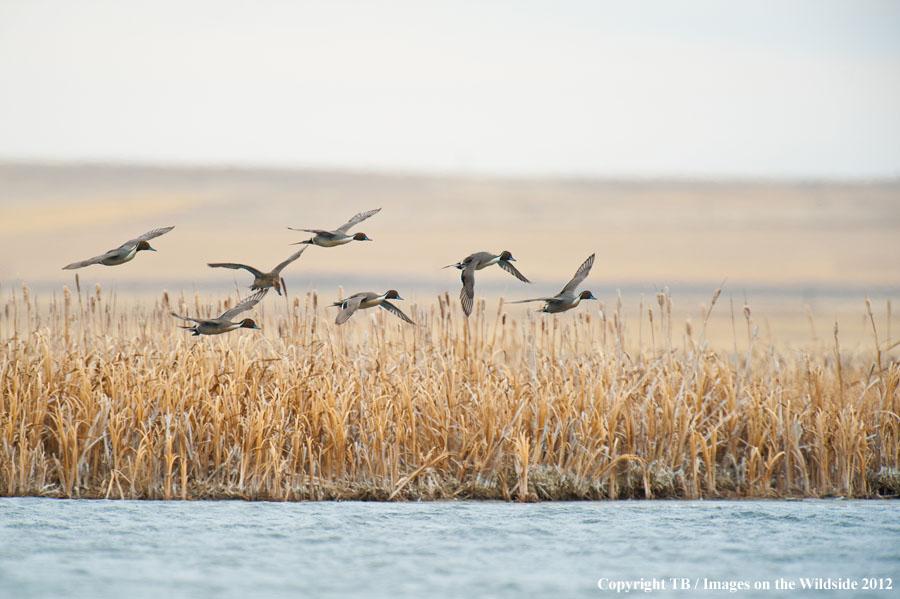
(462, 173)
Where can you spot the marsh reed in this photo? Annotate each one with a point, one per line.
(98, 399)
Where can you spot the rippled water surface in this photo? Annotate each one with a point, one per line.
(64, 548)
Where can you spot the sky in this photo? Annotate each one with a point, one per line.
(804, 88)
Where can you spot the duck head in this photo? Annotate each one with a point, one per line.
(248, 323)
(585, 295)
(144, 246)
(392, 294)
(507, 256)
(361, 237)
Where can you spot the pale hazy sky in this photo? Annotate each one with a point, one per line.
(772, 88)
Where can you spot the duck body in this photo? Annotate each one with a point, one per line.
(123, 255)
(330, 239)
(561, 303)
(369, 299)
(217, 326)
(478, 261)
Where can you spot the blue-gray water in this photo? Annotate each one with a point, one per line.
(62, 548)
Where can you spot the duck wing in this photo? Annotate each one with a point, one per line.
(351, 305)
(580, 275)
(245, 304)
(467, 293)
(145, 237)
(293, 257)
(316, 231)
(197, 320)
(255, 272)
(357, 218)
(95, 260)
(396, 311)
(534, 299)
(512, 270)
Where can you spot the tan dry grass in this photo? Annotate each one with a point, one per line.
(101, 401)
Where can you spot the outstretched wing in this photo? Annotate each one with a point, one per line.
(147, 236)
(580, 275)
(396, 311)
(316, 231)
(186, 318)
(512, 270)
(534, 299)
(293, 257)
(250, 269)
(245, 304)
(356, 220)
(95, 260)
(351, 305)
(467, 293)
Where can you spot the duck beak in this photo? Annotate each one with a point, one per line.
(257, 327)
(398, 297)
(151, 248)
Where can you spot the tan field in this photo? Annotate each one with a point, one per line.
(665, 387)
(790, 250)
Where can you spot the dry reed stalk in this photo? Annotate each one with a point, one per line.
(102, 402)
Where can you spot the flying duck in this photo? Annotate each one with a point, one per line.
(566, 299)
(122, 254)
(329, 239)
(262, 280)
(477, 261)
(223, 324)
(368, 299)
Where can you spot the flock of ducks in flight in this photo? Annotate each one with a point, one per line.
(263, 281)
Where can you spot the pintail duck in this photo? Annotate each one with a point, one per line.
(368, 299)
(223, 324)
(124, 252)
(477, 261)
(566, 299)
(329, 239)
(262, 280)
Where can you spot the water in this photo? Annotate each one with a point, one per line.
(81, 548)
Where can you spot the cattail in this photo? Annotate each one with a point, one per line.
(379, 410)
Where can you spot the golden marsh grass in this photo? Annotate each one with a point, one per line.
(100, 400)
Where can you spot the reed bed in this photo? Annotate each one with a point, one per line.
(102, 400)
